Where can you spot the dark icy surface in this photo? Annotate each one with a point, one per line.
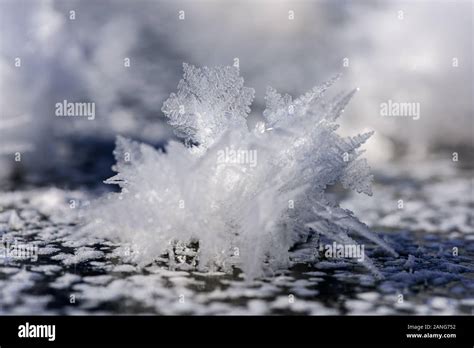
(72, 274)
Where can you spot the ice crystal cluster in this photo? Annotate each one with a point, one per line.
(231, 197)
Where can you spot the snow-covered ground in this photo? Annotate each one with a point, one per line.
(71, 274)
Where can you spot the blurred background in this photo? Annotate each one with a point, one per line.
(404, 51)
